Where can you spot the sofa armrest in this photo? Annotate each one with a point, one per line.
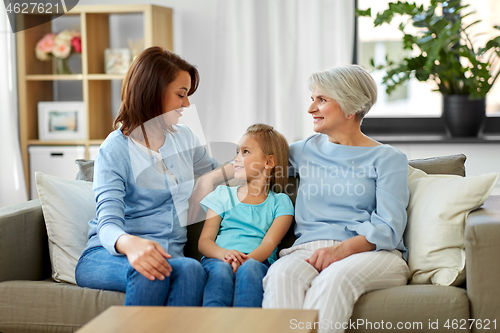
(23, 243)
(482, 247)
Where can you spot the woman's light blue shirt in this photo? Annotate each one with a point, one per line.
(349, 190)
(244, 226)
(134, 197)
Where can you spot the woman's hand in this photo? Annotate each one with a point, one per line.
(146, 256)
(322, 258)
(205, 185)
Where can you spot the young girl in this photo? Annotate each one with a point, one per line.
(245, 224)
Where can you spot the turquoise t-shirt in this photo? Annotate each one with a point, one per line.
(243, 226)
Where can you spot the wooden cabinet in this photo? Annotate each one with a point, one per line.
(36, 79)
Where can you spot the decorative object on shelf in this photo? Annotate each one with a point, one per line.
(443, 52)
(60, 46)
(61, 121)
(117, 61)
(135, 46)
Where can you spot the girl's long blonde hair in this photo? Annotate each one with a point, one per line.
(273, 143)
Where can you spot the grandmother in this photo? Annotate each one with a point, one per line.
(350, 209)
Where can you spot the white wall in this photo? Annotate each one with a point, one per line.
(254, 58)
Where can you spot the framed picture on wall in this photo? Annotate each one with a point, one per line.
(117, 61)
(61, 121)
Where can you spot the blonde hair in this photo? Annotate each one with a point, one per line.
(273, 143)
(351, 86)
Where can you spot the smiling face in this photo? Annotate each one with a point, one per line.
(326, 112)
(176, 98)
(250, 162)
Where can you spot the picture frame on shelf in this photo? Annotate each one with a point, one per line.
(61, 121)
(117, 61)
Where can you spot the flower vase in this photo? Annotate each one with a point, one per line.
(61, 65)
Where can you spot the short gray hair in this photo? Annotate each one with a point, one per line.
(351, 86)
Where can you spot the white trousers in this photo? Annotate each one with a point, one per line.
(292, 283)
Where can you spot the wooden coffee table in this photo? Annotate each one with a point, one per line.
(151, 319)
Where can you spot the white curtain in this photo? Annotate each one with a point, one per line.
(12, 184)
(263, 53)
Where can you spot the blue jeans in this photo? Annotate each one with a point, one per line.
(242, 289)
(99, 269)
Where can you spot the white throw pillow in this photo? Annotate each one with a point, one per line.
(68, 206)
(437, 212)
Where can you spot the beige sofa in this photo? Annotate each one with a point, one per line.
(31, 302)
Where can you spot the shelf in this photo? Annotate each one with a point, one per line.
(101, 27)
(435, 139)
(106, 76)
(56, 142)
(54, 77)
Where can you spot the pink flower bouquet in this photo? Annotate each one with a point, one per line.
(60, 45)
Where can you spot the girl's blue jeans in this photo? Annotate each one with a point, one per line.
(241, 289)
(99, 269)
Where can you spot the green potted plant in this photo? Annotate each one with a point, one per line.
(444, 53)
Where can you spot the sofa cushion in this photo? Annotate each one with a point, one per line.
(434, 235)
(444, 165)
(46, 306)
(68, 206)
(411, 305)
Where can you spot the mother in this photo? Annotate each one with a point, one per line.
(143, 180)
(350, 208)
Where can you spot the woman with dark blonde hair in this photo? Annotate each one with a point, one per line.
(143, 178)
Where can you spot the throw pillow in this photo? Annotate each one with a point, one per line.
(67, 206)
(85, 170)
(446, 165)
(437, 212)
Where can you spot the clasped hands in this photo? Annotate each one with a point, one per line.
(234, 258)
(324, 257)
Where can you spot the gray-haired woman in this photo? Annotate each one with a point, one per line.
(350, 208)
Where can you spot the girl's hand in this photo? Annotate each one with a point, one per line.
(322, 258)
(235, 265)
(146, 256)
(231, 256)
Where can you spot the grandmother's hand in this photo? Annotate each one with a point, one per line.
(324, 257)
(146, 256)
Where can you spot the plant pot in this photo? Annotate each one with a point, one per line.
(462, 116)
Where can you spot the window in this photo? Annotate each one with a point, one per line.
(416, 99)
